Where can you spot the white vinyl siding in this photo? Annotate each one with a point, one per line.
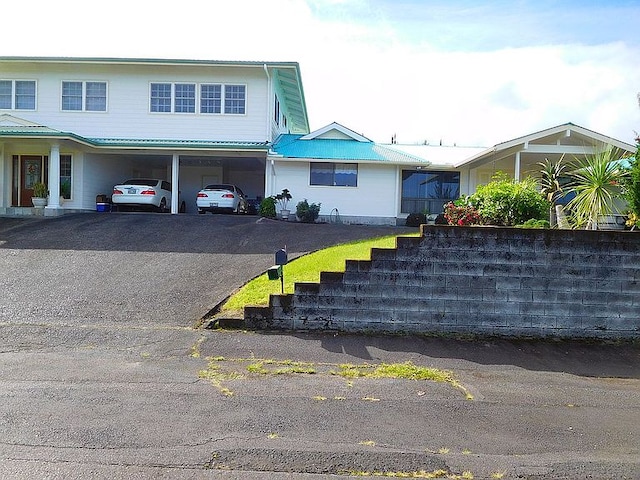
(17, 94)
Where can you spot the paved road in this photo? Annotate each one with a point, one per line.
(137, 392)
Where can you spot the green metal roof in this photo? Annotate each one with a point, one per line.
(292, 146)
(46, 132)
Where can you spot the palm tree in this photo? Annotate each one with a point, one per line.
(596, 183)
(551, 174)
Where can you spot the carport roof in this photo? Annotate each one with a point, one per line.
(43, 132)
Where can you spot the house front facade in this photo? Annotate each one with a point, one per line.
(82, 125)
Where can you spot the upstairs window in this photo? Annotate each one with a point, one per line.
(185, 98)
(234, 99)
(210, 98)
(17, 94)
(84, 96)
(161, 97)
(333, 174)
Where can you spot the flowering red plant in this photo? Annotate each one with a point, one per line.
(461, 215)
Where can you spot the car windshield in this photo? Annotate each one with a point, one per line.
(141, 181)
(219, 187)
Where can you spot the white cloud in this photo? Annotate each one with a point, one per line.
(370, 65)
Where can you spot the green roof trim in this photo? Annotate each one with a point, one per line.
(45, 132)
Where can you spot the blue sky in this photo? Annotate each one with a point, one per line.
(465, 72)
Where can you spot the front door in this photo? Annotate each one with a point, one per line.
(31, 172)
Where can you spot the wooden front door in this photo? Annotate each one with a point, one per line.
(31, 172)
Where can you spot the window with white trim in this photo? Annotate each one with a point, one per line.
(234, 99)
(210, 98)
(213, 98)
(161, 97)
(78, 96)
(17, 94)
(333, 174)
(65, 176)
(185, 98)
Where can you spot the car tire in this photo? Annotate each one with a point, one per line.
(201, 211)
(162, 208)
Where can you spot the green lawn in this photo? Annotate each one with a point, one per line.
(306, 269)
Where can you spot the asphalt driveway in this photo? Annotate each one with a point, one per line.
(102, 374)
(145, 269)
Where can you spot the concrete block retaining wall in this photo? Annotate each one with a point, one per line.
(478, 280)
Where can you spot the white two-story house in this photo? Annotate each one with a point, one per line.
(82, 125)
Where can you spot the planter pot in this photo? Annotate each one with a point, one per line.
(284, 214)
(39, 202)
(611, 222)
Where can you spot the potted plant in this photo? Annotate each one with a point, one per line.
(283, 202)
(40, 194)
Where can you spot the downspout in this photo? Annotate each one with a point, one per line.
(268, 172)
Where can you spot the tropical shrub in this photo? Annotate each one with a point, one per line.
(508, 202)
(268, 207)
(416, 219)
(631, 187)
(533, 223)
(306, 212)
(457, 213)
(597, 183)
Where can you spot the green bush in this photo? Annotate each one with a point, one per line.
(306, 212)
(268, 208)
(631, 184)
(507, 202)
(533, 223)
(416, 219)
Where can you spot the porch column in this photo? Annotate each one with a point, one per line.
(6, 185)
(175, 166)
(54, 177)
(516, 175)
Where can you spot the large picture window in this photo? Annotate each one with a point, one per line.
(333, 174)
(428, 191)
(17, 94)
(84, 96)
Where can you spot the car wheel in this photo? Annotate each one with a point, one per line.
(201, 211)
(163, 206)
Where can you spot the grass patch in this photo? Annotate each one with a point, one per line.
(306, 269)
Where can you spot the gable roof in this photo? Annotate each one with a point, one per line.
(567, 138)
(337, 132)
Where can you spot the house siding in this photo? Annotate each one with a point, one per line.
(128, 91)
(374, 200)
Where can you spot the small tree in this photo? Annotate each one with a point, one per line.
(283, 199)
(631, 187)
(550, 186)
(597, 182)
(268, 208)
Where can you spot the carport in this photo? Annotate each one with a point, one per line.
(92, 166)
